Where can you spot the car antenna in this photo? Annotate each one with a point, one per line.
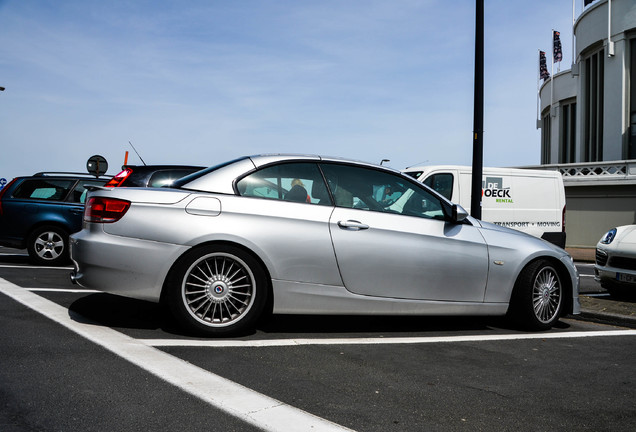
(133, 147)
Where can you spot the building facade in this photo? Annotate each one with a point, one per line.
(588, 122)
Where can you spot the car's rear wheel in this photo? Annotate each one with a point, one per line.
(537, 296)
(217, 290)
(48, 245)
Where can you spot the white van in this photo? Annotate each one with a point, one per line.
(532, 201)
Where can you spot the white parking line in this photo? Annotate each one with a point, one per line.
(34, 267)
(62, 290)
(380, 341)
(254, 408)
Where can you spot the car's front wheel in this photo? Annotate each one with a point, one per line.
(48, 245)
(537, 298)
(217, 290)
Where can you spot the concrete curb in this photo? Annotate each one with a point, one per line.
(607, 311)
(606, 318)
(582, 254)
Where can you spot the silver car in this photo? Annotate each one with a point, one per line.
(294, 234)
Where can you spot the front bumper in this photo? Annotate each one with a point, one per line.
(609, 276)
(613, 277)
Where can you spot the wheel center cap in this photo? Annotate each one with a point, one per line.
(217, 290)
(546, 294)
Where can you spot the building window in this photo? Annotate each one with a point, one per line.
(567, 144)
(546, 132)
(593, 132)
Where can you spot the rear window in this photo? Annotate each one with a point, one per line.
(167, 177)
(44, 189)
(187, 179)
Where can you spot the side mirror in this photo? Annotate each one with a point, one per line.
(459, 214)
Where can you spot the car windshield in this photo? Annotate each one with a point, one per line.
(178, 184)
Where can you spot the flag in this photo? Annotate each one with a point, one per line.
(556, 46)
(543, 67)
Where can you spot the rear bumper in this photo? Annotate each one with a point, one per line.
(120, 265)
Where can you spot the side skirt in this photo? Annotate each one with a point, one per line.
(311, 299)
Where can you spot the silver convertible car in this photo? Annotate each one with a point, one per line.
(293, 234)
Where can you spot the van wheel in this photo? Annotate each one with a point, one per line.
(537, 298)
(217, 291)
(48, 245)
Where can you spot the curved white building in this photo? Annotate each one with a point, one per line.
(588, 122)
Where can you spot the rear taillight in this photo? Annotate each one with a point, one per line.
(105, 210)
(119, 178)
(3, 191)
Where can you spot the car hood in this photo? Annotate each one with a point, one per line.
(626, 235)
(493, 227)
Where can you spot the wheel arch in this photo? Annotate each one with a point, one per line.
(268, 277)
(48, 222)
(564, 276)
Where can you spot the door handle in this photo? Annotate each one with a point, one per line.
(352, 225)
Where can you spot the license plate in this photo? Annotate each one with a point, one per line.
(622, 277)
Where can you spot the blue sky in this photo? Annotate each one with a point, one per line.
(204, 81)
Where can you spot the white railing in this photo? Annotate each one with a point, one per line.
(608, 170)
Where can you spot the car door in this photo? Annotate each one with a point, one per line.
(392, 239)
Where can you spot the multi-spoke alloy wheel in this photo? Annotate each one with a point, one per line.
(217, 290)
(546, 294)
(48, 245)
(537, 298)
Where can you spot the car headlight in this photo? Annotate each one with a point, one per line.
(609, 237)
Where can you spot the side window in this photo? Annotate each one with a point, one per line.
(375, 190)
(296, 182)
(442, 183)
(80, 191)
(44, 189)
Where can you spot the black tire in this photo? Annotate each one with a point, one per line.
(48, 245)
(537, 298)
(217, 290)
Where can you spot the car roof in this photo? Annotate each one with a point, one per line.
(160, 167)
(62, 174)
(221, 178)
(265, 159)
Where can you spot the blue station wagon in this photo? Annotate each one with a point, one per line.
(39, 212)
